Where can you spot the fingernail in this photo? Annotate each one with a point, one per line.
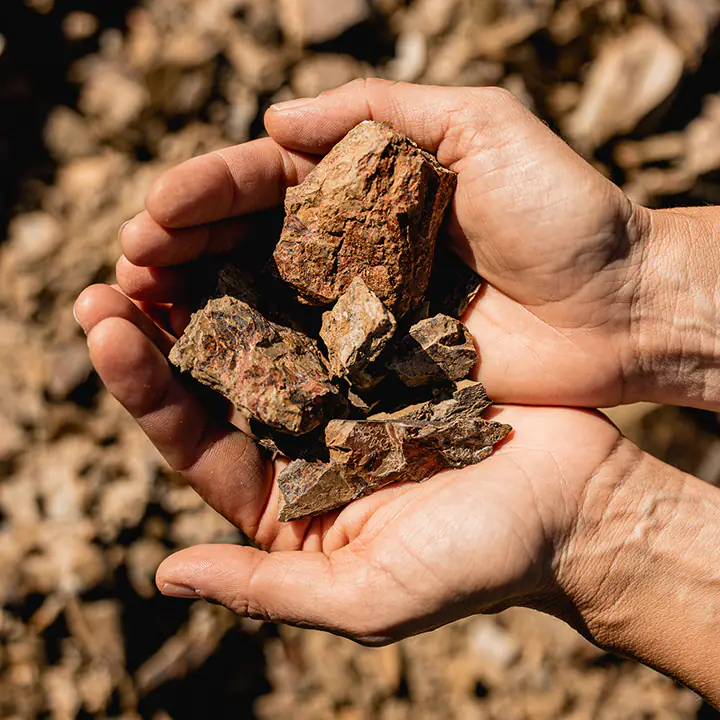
(75, 315)
(122, 227)
(178, 591)
(291, 104)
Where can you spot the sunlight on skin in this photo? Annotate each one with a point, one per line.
(560, 324)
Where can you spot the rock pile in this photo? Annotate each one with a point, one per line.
(359, 236)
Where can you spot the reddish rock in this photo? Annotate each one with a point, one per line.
(271, 373)
(409, 446)
(372, 208)
(356, 330)
(435, 350)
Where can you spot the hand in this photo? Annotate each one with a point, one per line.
(567, 517)
(401, 561)
(559, 244)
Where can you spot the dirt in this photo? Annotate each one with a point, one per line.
(98, 98)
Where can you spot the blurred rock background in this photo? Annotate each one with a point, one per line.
(99, 96)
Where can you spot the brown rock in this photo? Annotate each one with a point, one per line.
(435, 350)
(324, 71)
(372, 208)
(453, 285)
(409, 446)
(467, 399)
(308, 489)
(308, 22)
(356, 330)
(271, 373)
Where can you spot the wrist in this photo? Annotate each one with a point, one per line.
(675, 327)
(641, 570)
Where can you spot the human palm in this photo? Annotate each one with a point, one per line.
(556, 243)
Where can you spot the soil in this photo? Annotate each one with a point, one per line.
(98, 97)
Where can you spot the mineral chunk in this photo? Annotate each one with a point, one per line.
(468, 399)
(356, 330)
(272, 373)
(409, 446)
(372, 208)
(356, 260)
(453, 285)
(313, 488)
(435, 350)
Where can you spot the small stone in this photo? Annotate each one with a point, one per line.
(468, 398)
(453, 285)
(372, 208)
(356, 330)
(324, 71)
(308, 22)
(308, 489)
(269, 372)
(78, 25)
(409, 446)
(435, 350)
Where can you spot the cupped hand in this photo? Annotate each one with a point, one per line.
(406, 559)
(559, 245)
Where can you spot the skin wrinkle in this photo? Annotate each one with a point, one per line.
(234, 190)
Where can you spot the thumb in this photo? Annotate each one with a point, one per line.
(308, 589)
(444, 121)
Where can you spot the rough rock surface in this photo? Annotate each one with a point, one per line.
(306, 487)
(372, 208)
(435, 350)
(453, 285)
(274, 374)
(409, 446)
(357, 329)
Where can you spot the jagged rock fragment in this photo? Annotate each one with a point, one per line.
(468, 398)
(435, 350)
(409, 446)
(372, 208)
(271, 373)
(313, 488)
(453, 285)
(356, 330)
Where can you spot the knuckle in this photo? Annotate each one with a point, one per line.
(501, 102)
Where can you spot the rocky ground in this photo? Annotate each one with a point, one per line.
(98, 97)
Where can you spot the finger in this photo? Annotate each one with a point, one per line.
(438, 119)
(179, 318)
(235, 181)
(145, 243)
(101, 301)
(221, 463)
(300, 588)
(159, 284)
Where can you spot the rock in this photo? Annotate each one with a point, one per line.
(632, 75)
(435, 350)
(468, 398)
(453, 285)
(325, 71)
(308, 22)
(411, 446)
(356, 330)
(308, 489)
(78, 25)
(34, 238)
(372, 208)
(271, 373)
